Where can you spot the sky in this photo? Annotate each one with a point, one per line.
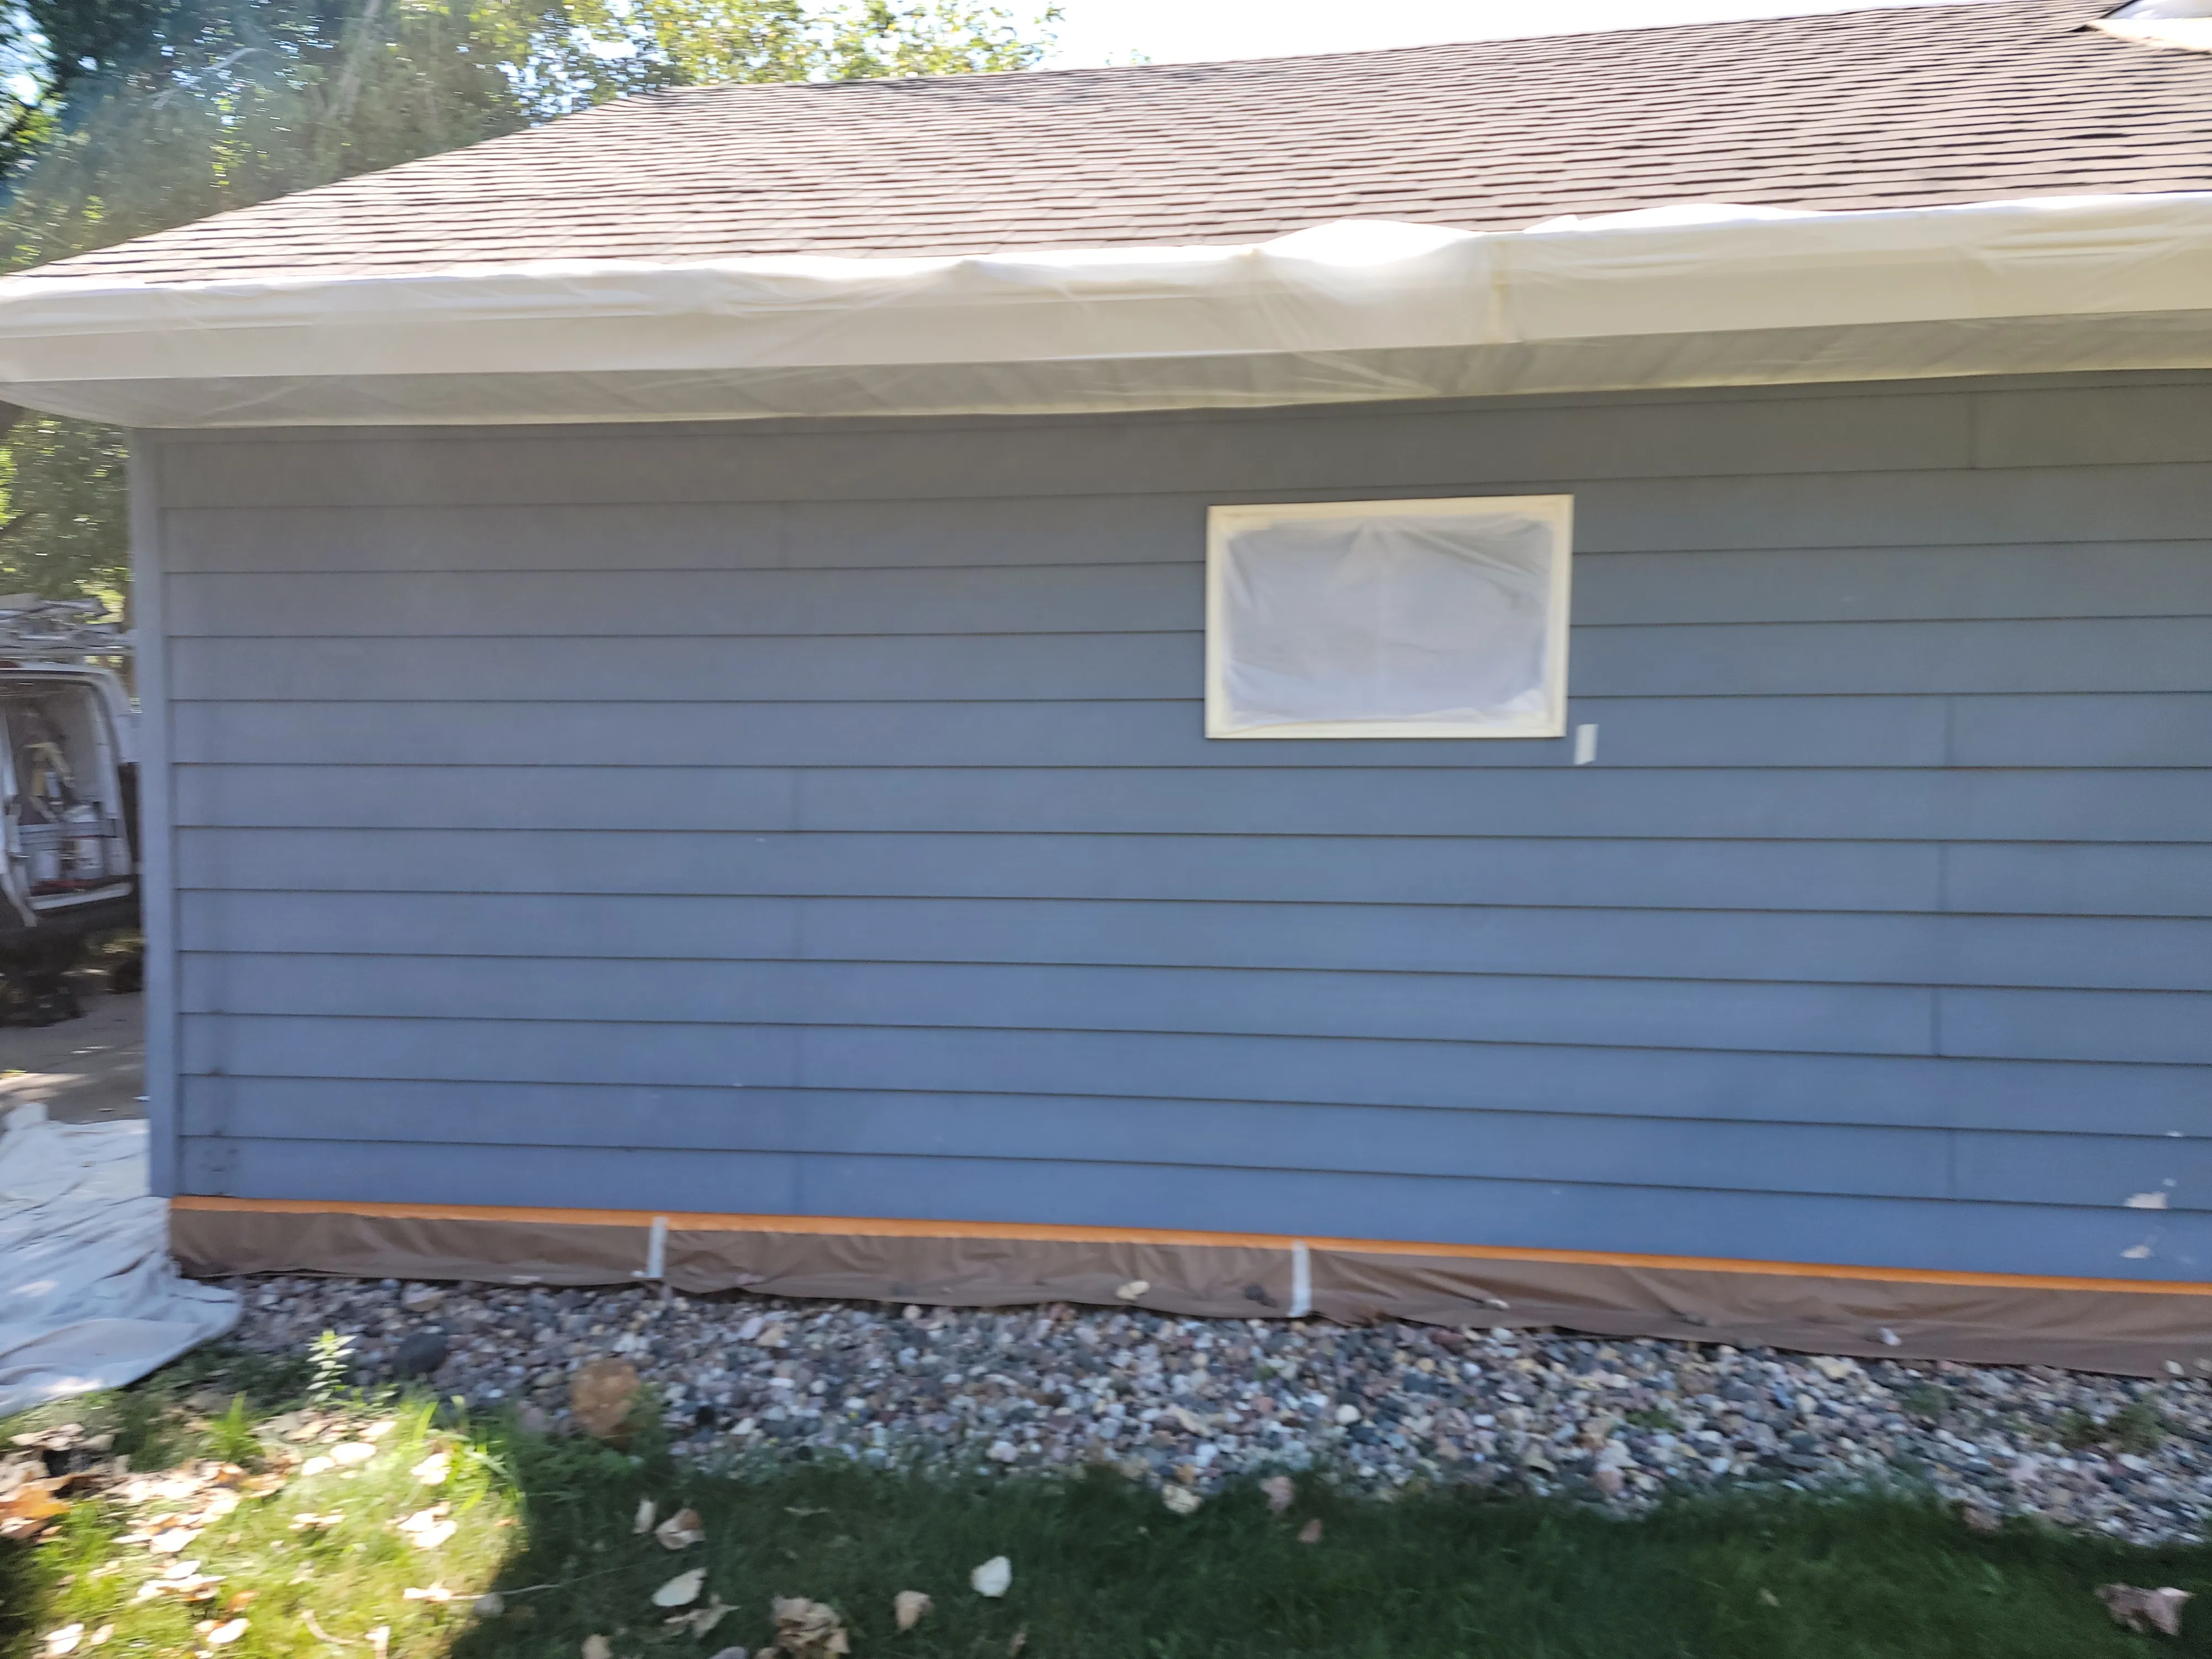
(1094, 32)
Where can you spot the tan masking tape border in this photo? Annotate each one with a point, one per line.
(883, 1227)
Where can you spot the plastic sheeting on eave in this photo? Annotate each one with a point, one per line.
(1702, 296)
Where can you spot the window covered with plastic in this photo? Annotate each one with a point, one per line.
(1389, 619)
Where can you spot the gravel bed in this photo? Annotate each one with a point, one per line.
(1192, 1402)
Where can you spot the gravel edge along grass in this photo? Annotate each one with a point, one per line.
(242, 1456)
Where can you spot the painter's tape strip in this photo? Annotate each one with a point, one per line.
(1301, 1280)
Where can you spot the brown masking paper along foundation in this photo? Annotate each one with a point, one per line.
(2085, 1325)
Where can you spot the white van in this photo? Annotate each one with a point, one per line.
(68, 805)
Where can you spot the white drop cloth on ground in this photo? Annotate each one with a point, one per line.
(89, 1295)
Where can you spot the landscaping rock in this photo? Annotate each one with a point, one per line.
(1375, 1409)
(423, 1354)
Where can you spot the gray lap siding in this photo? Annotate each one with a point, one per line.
(817, 820)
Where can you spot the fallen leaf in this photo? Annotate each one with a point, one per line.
(427, 1529)
(1181, 1500)
(808, 1630)
(1134, 1289)
(243, 1600)
(701, 1620)
(1768, 1599)
(98, 1637)
(595, 1647)
(1021, 1640)
(316, 1465)
(223, 1635)
(174, 1542)
(681, 1530)
(1281, 1492)
(433, 1470)
(307, 1618)
(992, 1577)
(378, 1431)
(347, 1453)
(65, 1639)
(910, 1608)
(1310, 1533)
(681, 1590)
(306, 1521)
(435, 1593)
(379, 1638)
(31, 1507)
(2130, 1606)
(600, 1396)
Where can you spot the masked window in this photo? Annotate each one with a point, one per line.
(1389, 619)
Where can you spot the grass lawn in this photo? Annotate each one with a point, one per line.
(1100, 1567)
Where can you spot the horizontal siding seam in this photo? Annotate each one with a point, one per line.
(1053, 1161)
(1111, 965)
(530, 1021)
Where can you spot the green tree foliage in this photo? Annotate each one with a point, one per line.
(127, 116)
(696, 41)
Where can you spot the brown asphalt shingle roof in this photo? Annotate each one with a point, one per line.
(1909, 107)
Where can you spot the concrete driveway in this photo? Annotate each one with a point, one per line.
(89, 1070)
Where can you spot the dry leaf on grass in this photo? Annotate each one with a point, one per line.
(1280, 1492)
(1181, 1500)
(307, 1520)
(595, 1647)
(682, 1590)
(1021, 1640)
(681, 1530)
(65, 1639)
(223, 1635)
(348, 1453)
(1310, 1533)
(427, 1529)
(2132, 1606)
(174, 1542)
(910, 1608)
(644, 1523)
(437, 1593)
(600, 1396)
(433, 1470)
(307, 1618)
(808, 1630)
(379, 1637)
(992, 1577)
(700, 1620)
